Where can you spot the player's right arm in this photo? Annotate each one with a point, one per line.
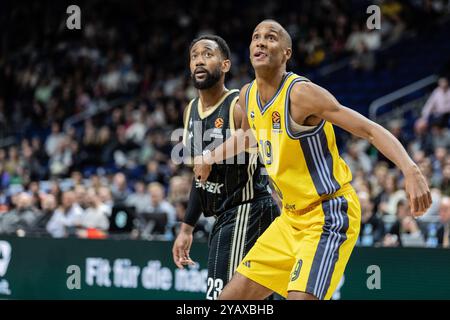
(183, 242)
(182, 245)
(242, 139)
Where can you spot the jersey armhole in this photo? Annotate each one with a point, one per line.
(247, 94)
(186, 121)
(231, 116)
(302, 134)
(251, 150)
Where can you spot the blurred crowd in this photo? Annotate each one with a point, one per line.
(87, 115)
(90, 208)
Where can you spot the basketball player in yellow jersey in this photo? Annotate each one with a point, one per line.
(303, 253)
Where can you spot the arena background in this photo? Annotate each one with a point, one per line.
(86, 123)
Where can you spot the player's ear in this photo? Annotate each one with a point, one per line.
(226, 65)
(288, 54)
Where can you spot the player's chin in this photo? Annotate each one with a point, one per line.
(260, 63)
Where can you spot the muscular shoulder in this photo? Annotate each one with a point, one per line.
(186, 111)
(242, 93)
(239, 111)
(311, 99)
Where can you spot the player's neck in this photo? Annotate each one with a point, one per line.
(268, 82)
(210, 97)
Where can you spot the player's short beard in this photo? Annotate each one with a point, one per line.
(210, 81)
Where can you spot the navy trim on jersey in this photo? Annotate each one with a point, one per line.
(247, 93)
(263, 109)
(327, 253)
(287, 105)
(315, 150)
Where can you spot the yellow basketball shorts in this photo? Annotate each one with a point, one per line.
(306, 252)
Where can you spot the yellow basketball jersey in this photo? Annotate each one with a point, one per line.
(304, 167)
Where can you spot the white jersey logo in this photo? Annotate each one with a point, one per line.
(210, 187)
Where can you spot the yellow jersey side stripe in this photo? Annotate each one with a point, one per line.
(319, 161)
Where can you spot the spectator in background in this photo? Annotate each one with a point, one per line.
(437, 164)
(54, 140)
(372, 227)
(122, 147)
(77, 178)
(356, 156)
(137, 129)
(147, 150)
(405, 232)
(363, 45)
(106, 196)
(445, 183)
(392, 237)
(22, 219)
(119, 189)
(376, 181)
(4, 176)
(154, 173)
(355, 38)
(393, 24)
(34, 192)
(62, 157)
(55, 190)
(96, 214)
(364, 59)
(66, 218)
(39, 152)
(80, 195)
(411, 234)
(443, 232)
(139, 199)
(179, 189)
(396, 128)
(437, 107)
(441, 136)
(32, 164)
(390, 198)
(13, 161)
(422, 140)
(49, 206)
(315, 48)
(161, 206)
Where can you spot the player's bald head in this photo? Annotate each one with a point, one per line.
(281, 31)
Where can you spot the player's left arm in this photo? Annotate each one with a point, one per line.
(314, 100)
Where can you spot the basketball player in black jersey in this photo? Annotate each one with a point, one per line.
(236, 194)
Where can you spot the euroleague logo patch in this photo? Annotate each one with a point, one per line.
(218, 123)
(276, 123)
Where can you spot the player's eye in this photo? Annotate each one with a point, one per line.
(194, 56)
(208, 54)
(255, 36)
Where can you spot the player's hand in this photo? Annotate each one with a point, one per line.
(202, 169)
(181, 249)
(418, 192)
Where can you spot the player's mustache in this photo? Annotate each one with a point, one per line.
(200, 69)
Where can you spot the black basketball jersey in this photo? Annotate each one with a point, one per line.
(228, 185)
